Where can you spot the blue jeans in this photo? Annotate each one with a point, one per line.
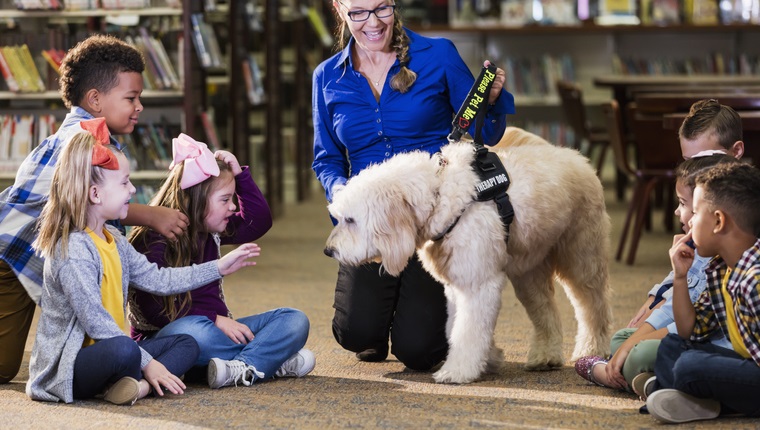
(278, 334)
(707, 371)
(105, 362)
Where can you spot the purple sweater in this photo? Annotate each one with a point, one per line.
(250, 223)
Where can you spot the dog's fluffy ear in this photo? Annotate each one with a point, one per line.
(396, 237)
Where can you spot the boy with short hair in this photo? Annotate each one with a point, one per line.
(711, 126)
(695, 380)
(100, 77)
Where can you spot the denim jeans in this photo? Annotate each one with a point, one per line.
(105, 362)
(708, 371)
(278, 334)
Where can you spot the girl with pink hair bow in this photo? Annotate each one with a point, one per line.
(204, 186)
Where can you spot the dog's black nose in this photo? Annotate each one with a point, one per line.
(329, 251)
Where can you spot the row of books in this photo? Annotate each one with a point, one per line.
(710, 64)
(518, 13)
(206, 43)
(19, 134)
(159, 72)
(536, 76)
(86, 4)
(21, 73)
(19, 70)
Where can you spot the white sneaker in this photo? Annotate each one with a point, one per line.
(223, 373)
(300, 364)
(673, 406)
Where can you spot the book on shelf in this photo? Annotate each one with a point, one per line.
(5, 69)
(666, 12)
(617, 12)
(124, 4)
(701, 12)
(206, 43)
(319, 26)
(212, 135)
(37, 4)
(54, 58)
(254, 82)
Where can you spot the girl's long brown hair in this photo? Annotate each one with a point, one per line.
(178, 253)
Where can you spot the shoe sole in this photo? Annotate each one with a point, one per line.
(211, 375)
(675, 407)
(638, 384)
(124, 392)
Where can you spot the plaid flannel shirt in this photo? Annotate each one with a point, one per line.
(744, 288)
(22, 203)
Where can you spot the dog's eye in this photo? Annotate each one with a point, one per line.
(348, 220)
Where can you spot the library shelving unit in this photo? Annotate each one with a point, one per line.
(274, 134)
(178, 105)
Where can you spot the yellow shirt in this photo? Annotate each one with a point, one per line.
(110, 286)
(733, 328)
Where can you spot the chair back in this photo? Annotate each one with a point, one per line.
(614, 122)
(656, 147)
(573, 110)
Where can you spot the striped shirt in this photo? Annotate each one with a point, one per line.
(22, 203)
(743, 286)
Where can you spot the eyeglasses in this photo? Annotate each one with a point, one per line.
(363, 15)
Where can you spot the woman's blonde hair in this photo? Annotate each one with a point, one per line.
(405, 77)
(192, 202)
(66, 209)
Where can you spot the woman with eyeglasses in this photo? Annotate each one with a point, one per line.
(387, 91)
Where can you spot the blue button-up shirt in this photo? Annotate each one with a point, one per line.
(352, 129)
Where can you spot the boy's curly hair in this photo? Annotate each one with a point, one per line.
(95, 63)
(734, 188)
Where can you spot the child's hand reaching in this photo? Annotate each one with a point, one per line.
(239, 333)
(681, 254)
(231, 161)
(169, 222)
(159, 377)
(238, 258)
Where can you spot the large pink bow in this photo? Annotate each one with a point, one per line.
(199, 161)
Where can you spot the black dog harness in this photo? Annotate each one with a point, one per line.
(493, 178)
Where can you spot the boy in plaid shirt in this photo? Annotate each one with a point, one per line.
(101, 77)
(696, 380)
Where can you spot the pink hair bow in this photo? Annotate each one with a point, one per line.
(101, 156)
(199, 161)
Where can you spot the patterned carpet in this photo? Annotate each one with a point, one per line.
(345, 393)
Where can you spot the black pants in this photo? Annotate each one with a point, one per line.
(411, 308)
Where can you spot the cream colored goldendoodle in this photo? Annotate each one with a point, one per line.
(560, 232)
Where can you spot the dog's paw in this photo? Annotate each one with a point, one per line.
(452, 376)
(495, 361)
(542, 364)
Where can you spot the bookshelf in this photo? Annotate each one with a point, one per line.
(595, 50)
(274, 130)
(174, 101)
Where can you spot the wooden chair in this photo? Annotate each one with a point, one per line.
(574, 112)
(657, 158)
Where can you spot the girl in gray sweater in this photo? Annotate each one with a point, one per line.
(81, 348)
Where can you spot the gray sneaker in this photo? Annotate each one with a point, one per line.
(673, 406)
(223, 373)
(300, 364)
